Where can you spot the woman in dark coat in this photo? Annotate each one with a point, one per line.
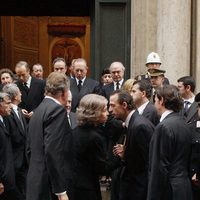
(90, 156)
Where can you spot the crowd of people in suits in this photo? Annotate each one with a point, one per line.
(60, 135)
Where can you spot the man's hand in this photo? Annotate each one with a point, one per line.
(1, 188)
(195, 180)
(63, 197)
(27, 114)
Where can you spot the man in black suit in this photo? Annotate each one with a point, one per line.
(18, 131)
(32, 89)
(7, 176)
(170, 147)
(141, 93)
(50, 140)
(195, 154)
(81, 85)
(186, 85)
(133, 183)
(71, 116)
(117, 70)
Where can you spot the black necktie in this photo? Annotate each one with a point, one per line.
(20, 117)
(79, 85)
(186, 107)
(26, 88)
(68, 117)
(117, 85)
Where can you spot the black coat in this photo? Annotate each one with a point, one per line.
(87, 88)
(90, 162)
(107, 90)
(191, 115)
(18, 133)
(195, 156)
(7, 174)
(18, 138)
(35, 95)
(169, 160)
(49, 134)
(151, 113)
(134, 176)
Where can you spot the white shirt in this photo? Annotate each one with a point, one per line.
(77, 80)
(55, 100)
(142, 107)
(128, 118)
(120, 84)
(28, 83)
(15, 107)
(1, 118)
(167, 112)
(191, 100)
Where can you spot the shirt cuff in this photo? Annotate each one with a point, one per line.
(58, 194)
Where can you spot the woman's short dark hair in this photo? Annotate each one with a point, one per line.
(8, 71)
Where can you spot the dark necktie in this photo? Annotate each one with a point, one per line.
(26, 88)
(68, 117)
(79, 85)
(117, 85)
(20, 117)
(186, 107)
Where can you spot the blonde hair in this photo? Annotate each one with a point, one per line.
(128, 85)
(90, 109)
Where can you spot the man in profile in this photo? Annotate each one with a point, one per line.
(49, 138)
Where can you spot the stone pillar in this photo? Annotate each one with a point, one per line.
(143, 33)
(173, 37)
(198, 48)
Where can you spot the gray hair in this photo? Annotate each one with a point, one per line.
(11, 89)
(22, 63)
(56, 83)
(2, 96)
(90, 109)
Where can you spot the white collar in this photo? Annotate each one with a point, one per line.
(77, 80)
(191, 100)
(142, 107)
(128, 118)
(28, 83)
(55, 100)
(167, 112)
(14, 107)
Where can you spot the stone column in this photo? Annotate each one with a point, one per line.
(198, 48)
(173, 37)
(143, 33)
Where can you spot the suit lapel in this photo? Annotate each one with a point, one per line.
(192, 111)
(17, 121)
(3, 126)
